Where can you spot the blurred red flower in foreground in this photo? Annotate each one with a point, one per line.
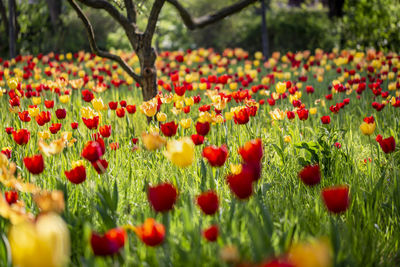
(208, 202)
(252, 151)
(61, 113)
(34, 164)
(310, 175)
(169, 128)
(109, 243)
(21, 137)
(336, 198)
(162, 197)
(216, 156)
(77, 175)
(151, 233)
(92, 151)
(211, 233)
(100, 166)
(241, 184)
(388, 145)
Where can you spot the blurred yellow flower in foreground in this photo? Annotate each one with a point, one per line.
(45, 243)
(153, 140)
(36, 100)
(186, 123)
(316, 253)
(180, 152)
(287, 139)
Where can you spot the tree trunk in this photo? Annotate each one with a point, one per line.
(12, 28)
(264, 31)
(4, 19)
(55, 12)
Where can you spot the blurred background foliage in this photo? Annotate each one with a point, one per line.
(292, 25)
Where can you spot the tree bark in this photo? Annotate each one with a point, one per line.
(55, 12)
(12, 28)
(264, 31)
(3, 14)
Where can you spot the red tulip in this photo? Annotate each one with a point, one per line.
(120, 112)
(169, 128)
(109, 243)
(197, 139)
(303, 114)
(216, 156)
(9, 130)
(242, 116)
(11, 197)
(131, 109)
(49, 103)
(105, 131)
(162, 197)
(24, 116)
(74, 125)
(202, 128)
(91, 123)
(336, 198)
(113, 105)
(252, 151)
(277, 263)
(55, 127)
(241, 184)
(21, 137)
(369, 120)
(43, 117)
(34, 164)
(310, 175)
(388, 145)
(77, 175)
(87, 95)
(100, 165)
(6, 152)
(290, 115)
(92, 151)
(151, 233)
(61, 113)
(211, 233)
(208, 202)
(326, 119)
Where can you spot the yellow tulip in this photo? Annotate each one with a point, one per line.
(180, 152)
(287, 139)
(98, 104)
(317, 253)
(12, 83)
(313, 111)
(44, 243)
(153, 140)
(36, 100)
(367, 128)
(33, 112)
(64, 99)
(186, 123)
(44, 134)
(161, 117)
(280, 87)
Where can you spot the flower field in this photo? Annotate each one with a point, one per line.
(236, 161)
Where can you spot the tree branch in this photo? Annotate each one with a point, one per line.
(103, 4)
(130, 11)
(152, 21)
(200, 22)
(96, 50)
